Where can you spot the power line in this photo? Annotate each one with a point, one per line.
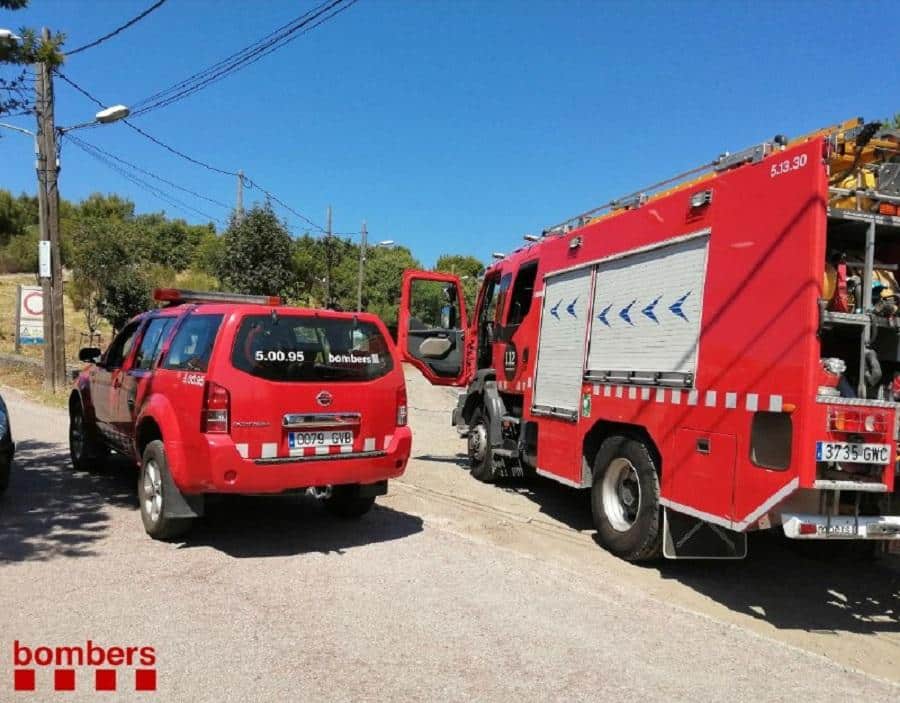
(141, 183)
(137, 168)
(245, 57)
(116, 31)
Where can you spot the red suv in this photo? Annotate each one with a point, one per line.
(223, 393)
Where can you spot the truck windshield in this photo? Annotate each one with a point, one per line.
(294, 348)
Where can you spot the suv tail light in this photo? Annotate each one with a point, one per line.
(216, 404)
(401, 407)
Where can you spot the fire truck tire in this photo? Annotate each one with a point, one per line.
(625, 499)
(479, 448)
(154, 483)
(346, 502)
(85, 450)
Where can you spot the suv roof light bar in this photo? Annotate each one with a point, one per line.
(175, 296)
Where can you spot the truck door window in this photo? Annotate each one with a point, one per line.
(121, 346)
(501, 297)
(522, 293)
(154, 336)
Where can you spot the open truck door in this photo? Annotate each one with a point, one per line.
(431, 326)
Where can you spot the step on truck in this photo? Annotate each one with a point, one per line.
(716, 354)
(226, 393)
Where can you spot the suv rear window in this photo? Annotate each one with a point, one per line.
(193, 343)
(295, 348)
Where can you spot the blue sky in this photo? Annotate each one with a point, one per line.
(453, 125)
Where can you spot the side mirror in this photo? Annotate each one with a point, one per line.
(90, 355)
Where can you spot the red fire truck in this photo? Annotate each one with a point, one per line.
(717, 354)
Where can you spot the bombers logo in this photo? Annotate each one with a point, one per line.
(106, 662)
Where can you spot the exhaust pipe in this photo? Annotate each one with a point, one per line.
(319, 492)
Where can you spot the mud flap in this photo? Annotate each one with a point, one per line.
(686, 537)
(178, 505)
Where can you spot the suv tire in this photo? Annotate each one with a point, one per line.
(153, 483)
(345, 502)
(625, 499)
(85, 450)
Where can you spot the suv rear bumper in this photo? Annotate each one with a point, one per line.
(226, 471)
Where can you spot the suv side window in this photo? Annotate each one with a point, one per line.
(154, 335)
(121, 346)
(522, 293)
(193, 343)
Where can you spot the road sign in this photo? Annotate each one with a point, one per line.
(30, 315)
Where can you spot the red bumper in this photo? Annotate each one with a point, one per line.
(216, 467)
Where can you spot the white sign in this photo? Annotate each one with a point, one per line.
(44, 259)
(31, 315)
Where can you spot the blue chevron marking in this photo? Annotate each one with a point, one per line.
(648, 311)
(553, 310)
(602, 315)
(624, 313)
(570, 308)
(676, 307)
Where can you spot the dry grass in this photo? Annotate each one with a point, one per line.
(76, 330)
(32, 386)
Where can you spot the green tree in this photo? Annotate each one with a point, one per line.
(257, 256)
(468, 268)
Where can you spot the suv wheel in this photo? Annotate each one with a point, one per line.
(86, 452)
(153, 482)
(345, 502)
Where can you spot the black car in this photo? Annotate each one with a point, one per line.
(7, 448)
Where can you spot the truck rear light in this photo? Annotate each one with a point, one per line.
(216, 404)
(402, 411)
(851, 420)
(807, 528)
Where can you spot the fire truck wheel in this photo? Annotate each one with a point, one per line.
(625, 499)
(345, 502)
(86, 452)
(152, 495)
(479, 446)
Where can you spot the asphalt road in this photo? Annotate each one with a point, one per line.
(448, 590)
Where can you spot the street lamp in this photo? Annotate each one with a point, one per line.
(47, 165)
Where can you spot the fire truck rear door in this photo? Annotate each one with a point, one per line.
(562, 341)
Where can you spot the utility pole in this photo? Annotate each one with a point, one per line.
(48, 199)
(363, 234)
(328, 243)
(239, 206)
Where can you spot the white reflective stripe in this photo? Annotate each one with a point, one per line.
(731, 400)
(645, 394)
(321, 450)
(772, 501)
(529, 383)
(243, 449)
(269, 450)
(369, 444)
(775, 403)
(619, 391)
(752, 402)
(710, 399)
(632, 392)
(596, 389)
(387, 440)
(693, 512)
(676, 396)
(607, 391)
(539, 294)
(346, 449)
(693, 396)
(660, 395)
